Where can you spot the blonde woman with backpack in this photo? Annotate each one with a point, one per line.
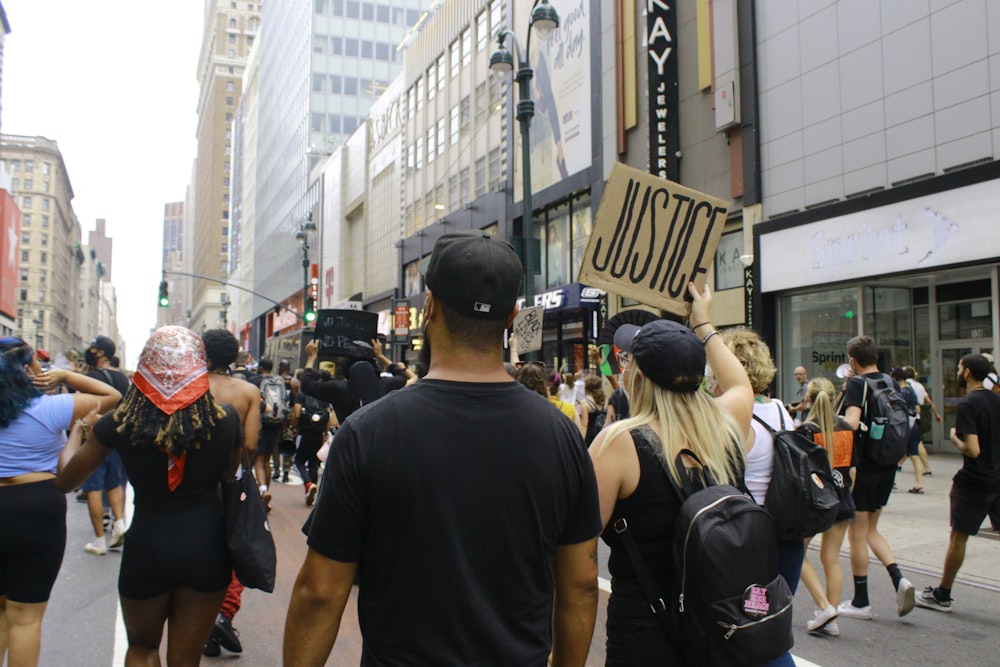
(825, 427)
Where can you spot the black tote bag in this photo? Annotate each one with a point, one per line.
(248, 532)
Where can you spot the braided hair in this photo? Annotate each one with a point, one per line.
(140, 421)
(16, 390)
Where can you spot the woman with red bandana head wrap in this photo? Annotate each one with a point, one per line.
(177, 444)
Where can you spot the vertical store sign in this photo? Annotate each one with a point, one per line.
(664, 142)
(401, 320)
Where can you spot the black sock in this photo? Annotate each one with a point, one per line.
(895, 574)
(860, 592)
(942, 594)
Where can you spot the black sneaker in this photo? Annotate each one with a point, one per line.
(276, 476)
(211, 649)
(226, 635)
(928, 600)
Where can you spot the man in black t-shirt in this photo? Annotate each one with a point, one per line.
(872, 486)
(464, 503)
(109, 478)
(975, 490)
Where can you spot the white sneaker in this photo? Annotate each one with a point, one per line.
(821, 618)
(117, 535)
(831, 629)
(96, 547)
(905, 597)
(848, 610)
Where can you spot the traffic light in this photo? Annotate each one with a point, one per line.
(310, 314)
(164, 297)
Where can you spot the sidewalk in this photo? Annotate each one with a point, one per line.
(917, 528)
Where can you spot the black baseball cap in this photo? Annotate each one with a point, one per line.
(105, 345)
(475, 274)
(668, 353)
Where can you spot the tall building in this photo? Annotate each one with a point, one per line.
(230, 31)
(173, 260)
(322, 64)
(50, 254)
(4, 29)
(102, 244)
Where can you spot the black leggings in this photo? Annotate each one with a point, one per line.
(306, 460)
(32, 540)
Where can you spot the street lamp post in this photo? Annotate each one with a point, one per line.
(303, 237)
(544, 19)
(225, 303)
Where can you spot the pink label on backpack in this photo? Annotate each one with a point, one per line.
(755, 602)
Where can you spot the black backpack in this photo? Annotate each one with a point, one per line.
(802, 496)
(595, 422)
(730, 606)
(886, 421)
(314, 417)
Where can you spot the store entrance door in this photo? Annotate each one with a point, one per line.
(949, 355)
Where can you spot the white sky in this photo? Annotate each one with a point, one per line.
(114, 82)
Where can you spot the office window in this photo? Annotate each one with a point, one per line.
(25, 256)
(15, 165)
(29, 183)
(224, 247)
(466, 46)
(320, 7)
(420, 153)
(45, 186)
(496, 176)
(232, 39)
(440, 133)
(431, 144)
(410, 160)
(367, 49)
(24, 295)
(225, 231)
(480, 177)
(368, 11)
(348, 124)
(316, 122)
(26, 202)
(45, 221)
(398, 16)
(337, 46)
(338, 7)
(44, 240)
(225, 215)
(45, 168)
(226, 165)
(383, 51)
(225, 182)
(43, 258)
(496, 15)
(454, 125)
(43, 276)
(420, 94)
(14, 184)
(456, 57)
(229, 101)
(353, 9)
(350, 85)
(41, 295)
(231, 53)
(465, 114)
(481, 104)
(351, 47)
(232, 23)
(333, 121)
(26, 220)
(229, 134)
(453, 193)
(463, 185)
(431, 81)
(482, 31)
(335, 83)
(382, 13)
(439, 206)
(229, 118)
(412, 16)
(24, 274)
(25, 238)
(318, 80)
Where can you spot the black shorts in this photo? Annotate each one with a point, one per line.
(267, 442)
(32, 540)
(872, 486)
(913, 445)
(179, 548)
(970, 506)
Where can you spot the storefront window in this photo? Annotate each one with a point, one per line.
(887, 320)
(557, 247)
(583, 225)
(962, 321)
(414, 282)
(815, 329)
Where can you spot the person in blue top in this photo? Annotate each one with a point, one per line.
(33, 428)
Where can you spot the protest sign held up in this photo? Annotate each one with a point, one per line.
(336, 328)
(528, 329)
(651, 237)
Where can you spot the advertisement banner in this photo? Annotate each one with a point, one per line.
(10, 227)
(401, 320)
(651, 238)
(560, 89)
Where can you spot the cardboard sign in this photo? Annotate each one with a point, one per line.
(528, 329)
(651, 237)
(335, 329)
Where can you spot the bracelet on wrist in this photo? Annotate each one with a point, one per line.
(705, 323)
(713, 332)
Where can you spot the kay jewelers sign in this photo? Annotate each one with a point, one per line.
(651, 237)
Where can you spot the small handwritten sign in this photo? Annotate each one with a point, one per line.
(651, 237)
(528, 329)
(336, 328)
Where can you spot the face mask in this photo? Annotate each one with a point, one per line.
(90, 358)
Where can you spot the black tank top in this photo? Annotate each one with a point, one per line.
(651, 512)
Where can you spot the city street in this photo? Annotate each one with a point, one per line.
(83, 628)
